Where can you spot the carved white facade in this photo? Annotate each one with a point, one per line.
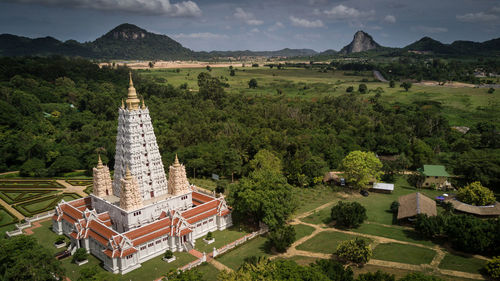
(140, 215)
(137, 149)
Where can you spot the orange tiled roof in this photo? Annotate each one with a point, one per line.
(101, 229)
(143, 230)
(201, 209)
(194, 219)
(225, 212)
(97, 237)
(200, 197)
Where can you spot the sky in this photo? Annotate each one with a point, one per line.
(204, 25)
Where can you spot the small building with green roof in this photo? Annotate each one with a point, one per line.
(435, 176)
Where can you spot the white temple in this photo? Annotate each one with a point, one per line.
(139, 215)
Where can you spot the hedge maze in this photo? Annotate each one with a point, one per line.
(44, 204)
(31, 197)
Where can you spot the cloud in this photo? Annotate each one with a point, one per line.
(340, 12)
(478, 17)
(201, 35)
(429, 29)
(390, 19)
(246, 17)
(276, 26)
(306, 23)
(148, 7)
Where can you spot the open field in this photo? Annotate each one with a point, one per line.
(462, 263)
(462, 106)
(392, 252)
(235, 258)
(302, 230)
(222, 238)
(326, 242)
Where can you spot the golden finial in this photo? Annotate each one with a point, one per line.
(123, 104)
(128, 175)
(143, 105)
(131, 84)
(132, 101)
(176, 162)
(99, 161)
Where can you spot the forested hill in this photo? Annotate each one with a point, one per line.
(57, 113)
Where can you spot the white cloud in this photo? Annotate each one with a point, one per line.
(390, 19)
(150, 7)
(255, 30)
(246, 17)
(201, 35)
(276, 26)
(343, 12)
(306, 23)
(429, 29)
(478, 17)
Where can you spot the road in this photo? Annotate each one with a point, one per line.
(379, 76)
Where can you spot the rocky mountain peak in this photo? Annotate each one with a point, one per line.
(362, 41)
(126, 31)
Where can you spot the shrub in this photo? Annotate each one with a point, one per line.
(492, 267)
(356, 250)
(376, 276)
(394, 207)
(281, 238)
(168, 254)
(252, 83)
(476, 194)
(429, 227)
(362, 88)
(350, 214)
(471, 234)
(209, 236)
(392, 84)
(60, 239)
(349, 89)
(80, 255)
(491, 90)
(232, 73)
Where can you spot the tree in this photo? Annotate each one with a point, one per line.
(96, 274)
(168, 254)
(80, 255)
(476, 194)
(491, 91)
(334, 270)
(362, 88)
(429, 227)
(349, 89)
(151, 64)
(210, 87)
(64, 164)
(232, 73)
(209, 68)
(252, 84)
(188, 275)
(406, 85)
(394, 207)
(264, 195)
(376, 276)
(492, 267)
(392, 84)
(221, 187)
(33, 168)
(356, 251)
(360, 167)
(470, 234)
(281, 238)
(348, 214)
(22, 258)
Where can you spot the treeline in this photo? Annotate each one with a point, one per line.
(57, 113)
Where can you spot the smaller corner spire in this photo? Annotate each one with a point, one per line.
(143, 104)
(131, 83)
(99, 161)
(128, 175)
(123, 104)
(176, 162)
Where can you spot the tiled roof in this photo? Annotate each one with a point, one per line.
(199, 217)
(200, 197)
(201, 209)
(143, 230)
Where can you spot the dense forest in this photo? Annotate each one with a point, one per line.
(57, 113)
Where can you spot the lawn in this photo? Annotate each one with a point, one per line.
(204, 183)
(302, 230)
(152, 269)
(44, 204)
(6, 217)
(208, 271)
(319, 217)
(401, 272)
(412, 254)
(311, 198)
(234, 258)
(326, 242)
(394, 232)
(222, 238)
(462, 263)
(303, 260)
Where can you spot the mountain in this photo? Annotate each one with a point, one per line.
(128, 41)
(279, 53)
(362, 41)
(429, 45)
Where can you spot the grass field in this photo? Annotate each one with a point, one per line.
(207, 271)
(462, 263)
(6, 218)
(43, 204)
(461, 106)
(311, 198)
(222, 238)
(394, 232)
(401, 272)
(234, 258)
(326, 242)
(302, 230)
(412, 254)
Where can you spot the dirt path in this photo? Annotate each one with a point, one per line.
(29, 230)
(12, 210)
(8, 173)
(78, 189)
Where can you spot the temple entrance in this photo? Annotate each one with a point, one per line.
(152, 194)
(184, 238)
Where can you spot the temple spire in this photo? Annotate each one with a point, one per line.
(99, 161)
(143, 104)
(123, 104)
(132, 100)
(176, 162)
